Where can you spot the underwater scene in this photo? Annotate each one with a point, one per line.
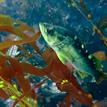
(53, 53)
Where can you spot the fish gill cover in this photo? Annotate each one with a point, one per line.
(53, 53)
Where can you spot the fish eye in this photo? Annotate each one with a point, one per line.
(50, 31)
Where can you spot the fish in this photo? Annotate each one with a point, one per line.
(71, 50)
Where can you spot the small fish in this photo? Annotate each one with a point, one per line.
(72, 50)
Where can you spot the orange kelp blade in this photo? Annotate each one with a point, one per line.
(34, 70)
(7, 44)
(23, 83)
(100, 55)
(23, 27)
(18, 28)
(13, 30)
(104, 39)
(102, 25)
(6, 20)
(40, 83)
(8, 24)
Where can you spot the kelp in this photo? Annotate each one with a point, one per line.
(13, 93)
(55, 69)
(7, 44)
(87, 15)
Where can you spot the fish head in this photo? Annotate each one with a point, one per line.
(51, 34)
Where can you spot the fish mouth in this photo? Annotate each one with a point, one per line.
(46, 28)
(44, 31)
(42, 28)
(47, 31)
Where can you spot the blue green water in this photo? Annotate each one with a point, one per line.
(58, 12)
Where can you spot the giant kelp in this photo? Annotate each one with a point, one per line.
(26, 34)
(57, 12)
(64, 82)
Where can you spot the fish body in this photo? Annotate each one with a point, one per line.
(70, 49)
